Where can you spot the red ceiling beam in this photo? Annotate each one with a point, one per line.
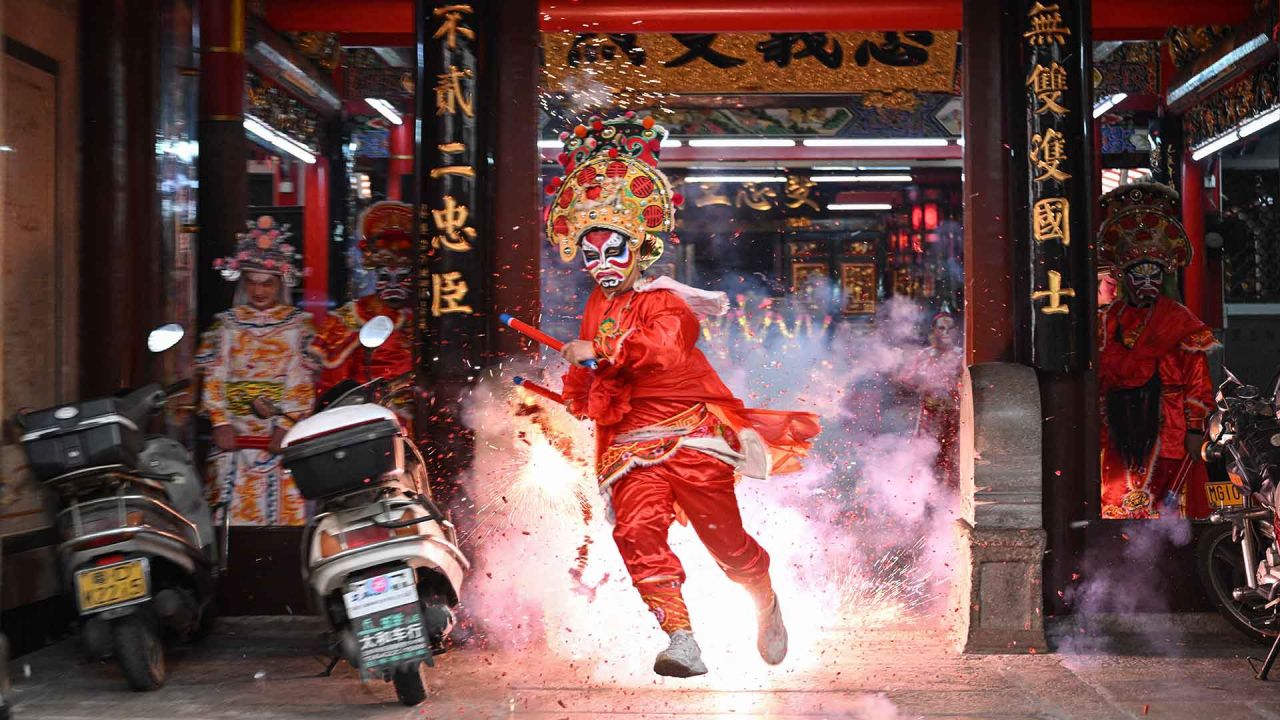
(341, 16)
(694, 16)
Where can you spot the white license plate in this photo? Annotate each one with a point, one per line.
(380, 592)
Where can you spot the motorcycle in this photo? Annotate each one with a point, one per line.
(380, 559)
(1239, 560)
(138, 548)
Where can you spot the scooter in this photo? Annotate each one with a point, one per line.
(380, 559)
(138, 550)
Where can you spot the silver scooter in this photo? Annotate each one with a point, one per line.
(138, 550)
(381, 560)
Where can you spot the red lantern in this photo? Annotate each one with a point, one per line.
(917, 215)
(931, 216)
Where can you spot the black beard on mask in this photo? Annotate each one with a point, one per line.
(1133, 421)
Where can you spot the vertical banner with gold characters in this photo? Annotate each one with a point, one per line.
(1059, 156)
(450, 273)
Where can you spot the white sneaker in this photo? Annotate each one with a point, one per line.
(772, 638)
(682, 658)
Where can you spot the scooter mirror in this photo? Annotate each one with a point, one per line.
(264, 408)
(376, 331)
(164, 337)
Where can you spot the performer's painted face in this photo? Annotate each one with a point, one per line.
(608, 257)
(1143, 282)
(262, 290)
(393, 284)
(943, 334)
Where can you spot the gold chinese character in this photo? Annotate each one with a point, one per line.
(1055, 293)
(450, 96)
(710, 194)
(448, 290)
(463, 170)
(451, 26)
(1047, 83)
(756, 198)
(452, 148)
(1049, 220)
(1046, 26)
(798, 189)
(1048, 152)
(451, 223)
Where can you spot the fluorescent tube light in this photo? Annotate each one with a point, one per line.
(277, 139)
(1107, 103)
(735, 179)
(862, 178)
(1216, 145)
(860, 206)
(876, 142)
(741, 142)
(1263, 121)
(386, 109)
(1217, 68)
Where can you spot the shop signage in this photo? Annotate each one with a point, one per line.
(853, 62)
(450, 273)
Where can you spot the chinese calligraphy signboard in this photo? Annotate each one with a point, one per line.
(450, 161)
(916, 60)
(1058, 181)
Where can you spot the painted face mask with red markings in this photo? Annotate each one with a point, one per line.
(608, 257)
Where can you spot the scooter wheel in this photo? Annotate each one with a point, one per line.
(411, 686)
(140, 653)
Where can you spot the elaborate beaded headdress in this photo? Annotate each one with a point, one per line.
(262, 248)
(1140, 223)
(611, 181)
(386, 235)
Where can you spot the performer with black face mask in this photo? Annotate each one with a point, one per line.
(387, 246)
(1153, 373)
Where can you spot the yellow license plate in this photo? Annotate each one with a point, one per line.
(111, 585)
(1225, 494)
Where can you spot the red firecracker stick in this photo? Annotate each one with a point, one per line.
(534, 333)
(537, 389)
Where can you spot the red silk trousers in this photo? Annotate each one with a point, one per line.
(644, 505)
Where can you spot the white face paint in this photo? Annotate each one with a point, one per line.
(607, 257)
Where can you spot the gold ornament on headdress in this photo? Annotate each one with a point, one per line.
(611, 181)
(1140, 223)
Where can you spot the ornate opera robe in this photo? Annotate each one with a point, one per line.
(1152, 358)
(247, 353)
(337, 343)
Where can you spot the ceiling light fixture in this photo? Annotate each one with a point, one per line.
(860, 206)
(1263, 121)
(741, 142)
(1222, 65)
(386, 110)
(277, 139)
(735, 179)
(1107, 103)
(876, 142)
(862, 178)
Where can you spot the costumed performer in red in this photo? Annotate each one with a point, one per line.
(671, 438)
(1153, 370)
(386, 243)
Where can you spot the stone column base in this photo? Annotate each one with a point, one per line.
(997, 592)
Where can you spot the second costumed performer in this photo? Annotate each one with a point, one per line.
(671, 439)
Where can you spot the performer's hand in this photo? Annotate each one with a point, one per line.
(277, 437)
(576, 351)
(224, 437)
(1192, 441)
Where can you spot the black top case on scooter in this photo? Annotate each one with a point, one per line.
(92, 433)
(345, 460)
